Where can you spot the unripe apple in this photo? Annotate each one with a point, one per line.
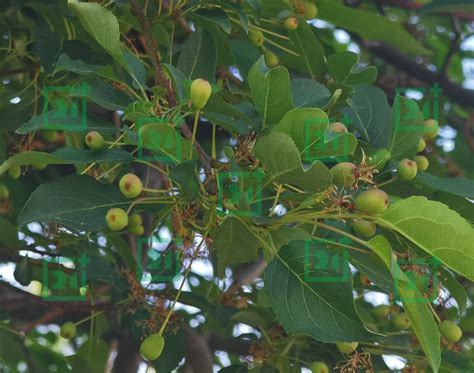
(291, 23)
(407, 169)
(94, 140)
(381, 312)
(422, 163)
(319, 367)
(200, 92)
(450, 331)
(271, 59)
(347, 348)
(421, 146)
(431, 128)
(337, 127)
(117, 219)
(364, 228)
(137, 230)
(14, 172)
(152, 347)
(311, 10)
(68, 330)
(343, 174)
(4, 192)
(135, 219)
(130, 185)
(256, 37)
(372, 201)
(401, 321)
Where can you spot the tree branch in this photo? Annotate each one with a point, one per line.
(460, 95)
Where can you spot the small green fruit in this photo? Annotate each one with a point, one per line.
(381, 312)
(271, 59)
(291, 23)
(117, 219)
(256, 37)
(343, 174)
(450, 331)
(14, 172)
(347, 348)
(337, 127)
(401, 321)
(50, 135)
(431, 128)
(135, 219)
(311, 10)
(130, 185)
(364, 228)
(319, 367)
(421, 145)
(200, 92)
(422, 163)
(68, 330)
(40, 166)
(94, 140)
(137, 230)
(4, 192)
(372, 201)
(152, 347)
(407, 169)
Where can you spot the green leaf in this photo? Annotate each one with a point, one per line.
(307, 128)
(436, 229)
(309, 93)
(370, 26)
(458, 186)
(65, 63)
(91, 357)
(229, 117)
(66, 156)
(235, 243)
(74, 124)
(271, 91)
(298, 122)
(309, 48)
(8, 235)
(282, 161)
(103, 94)
(370, 114)
(420, 315)
(185, 175)
(408, 125)
(217, 16)
(165, 140)
(180, 82)
(78, 202)
(341, 67)
(102, 25)
(455, 288)
(323, 310)
(198, 57)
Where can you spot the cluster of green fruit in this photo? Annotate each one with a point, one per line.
(307, 9)
(451, 332)
(117, 219)
(4, 192)
(407, 169)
